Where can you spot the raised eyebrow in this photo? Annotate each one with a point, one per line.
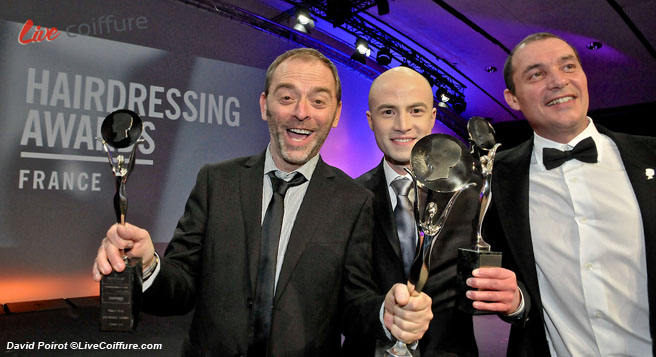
(318, 90)
(283, 86)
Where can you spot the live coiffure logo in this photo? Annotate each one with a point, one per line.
(31, 33)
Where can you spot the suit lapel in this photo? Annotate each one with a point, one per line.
(250, 187)
(511, 178)
(309, 216)
(383, 208)
(637, 157)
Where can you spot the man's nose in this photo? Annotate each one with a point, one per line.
(302, 110)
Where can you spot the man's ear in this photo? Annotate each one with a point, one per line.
(371, 124)
(263, 106)
(338, 114)
(511, 99)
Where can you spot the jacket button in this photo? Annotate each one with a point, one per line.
(249, 302)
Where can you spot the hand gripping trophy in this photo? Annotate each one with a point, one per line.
(440, 164)
(483, 149)
(120, 293)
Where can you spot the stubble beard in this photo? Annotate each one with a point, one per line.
(306, 152)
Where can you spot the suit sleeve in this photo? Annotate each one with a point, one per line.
(494, 234)
(361, 299)
(174, 289)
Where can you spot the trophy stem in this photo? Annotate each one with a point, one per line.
(481, 246)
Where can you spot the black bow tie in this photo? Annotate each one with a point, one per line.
(584, 151)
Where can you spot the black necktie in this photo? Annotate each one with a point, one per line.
(266, 271)
(584, 151)
(405, 222)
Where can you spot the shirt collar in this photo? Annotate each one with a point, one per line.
(391, 175)
(539, 143)
(306, 170)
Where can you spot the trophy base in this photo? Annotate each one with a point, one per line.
(468, 260)
(120, 298)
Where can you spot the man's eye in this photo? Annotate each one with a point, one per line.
(388, 112)
(536, 75)
(416, 111)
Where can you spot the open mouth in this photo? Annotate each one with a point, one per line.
(298, 134)
(560, 100)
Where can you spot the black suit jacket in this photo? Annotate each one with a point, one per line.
(211, 262)
(450, 331)
(509, 220)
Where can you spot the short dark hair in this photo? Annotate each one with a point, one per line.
(305, 54)
(508, 70)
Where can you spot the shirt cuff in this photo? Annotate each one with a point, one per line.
(412, 346)
(148, 282)
(520, 308)
(382, 323)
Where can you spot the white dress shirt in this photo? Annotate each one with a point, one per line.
(293, 200)
(589, 248)
(390, 176)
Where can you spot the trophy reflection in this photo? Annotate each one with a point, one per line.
(483, 149)
(440, 164)
(120, 293)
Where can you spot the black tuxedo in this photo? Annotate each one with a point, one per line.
(509, 220)
(450, 331)
(211, 262)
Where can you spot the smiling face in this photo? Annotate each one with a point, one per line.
(301, 107)
(400, 113)
(551, 89)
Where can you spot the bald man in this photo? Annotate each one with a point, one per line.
(400, 113)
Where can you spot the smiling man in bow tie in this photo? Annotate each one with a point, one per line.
(571, 212)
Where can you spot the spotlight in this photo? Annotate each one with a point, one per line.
(362, 47)
(338, 11)
(458, 105)
(357, 56)
(442, 95)
(304, 22)
(384, 57)
(383, 7)
(594, 45)
(362, 51)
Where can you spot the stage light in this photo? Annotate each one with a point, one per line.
(359, 57)
(384, 57)
(362, 46)
(304, 22)
(442, 95)
(383, 7)
(594, 45)
(458, 105)
(362, 51)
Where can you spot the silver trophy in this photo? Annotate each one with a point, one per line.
(440, 164)
(120, 293)
(483, 149)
